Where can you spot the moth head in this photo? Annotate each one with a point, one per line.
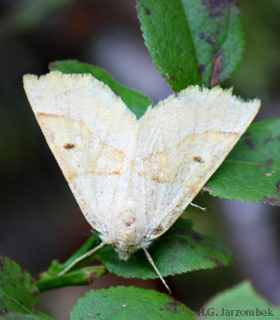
(125, 252)
(126, 244)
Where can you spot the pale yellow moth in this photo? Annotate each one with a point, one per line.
(133, 178)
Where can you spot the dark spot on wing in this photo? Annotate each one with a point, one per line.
(129, 221)
(158, 230)
(69, 146)
(198, 159)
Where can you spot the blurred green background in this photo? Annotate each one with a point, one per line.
(40, 219)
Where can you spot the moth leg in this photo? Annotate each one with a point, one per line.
(197, 206)
(87, 254)
(156, 270)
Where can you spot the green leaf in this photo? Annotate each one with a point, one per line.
(129, 303)
(17, 290)
(81, 277)
(193, 42)
(251, 172)
(242, 301)
(135, 101)
(179, 250)
(20, 316)
(41, 315)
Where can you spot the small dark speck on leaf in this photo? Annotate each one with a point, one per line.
(267, 140)
(3, 309)
(278, 186)
(161, 309)
(148, 11)
(33, 293)
(91, 277)
(172, 78)
(181, 69)
(271, 201)
(271, 139)
(246, 133)
(183, 241)
(259, 165)
(197, 238)
(182, 231)
(202, 35)
(270, 161)
(217, 64)
(22, 269)
(219, 7)
(208, 40)
(250, 144)
(216, 261)
(201, 68)
(69, 146)
(172, 306)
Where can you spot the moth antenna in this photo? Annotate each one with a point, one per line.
(197, 206)
(156, 270)
(87, 254)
